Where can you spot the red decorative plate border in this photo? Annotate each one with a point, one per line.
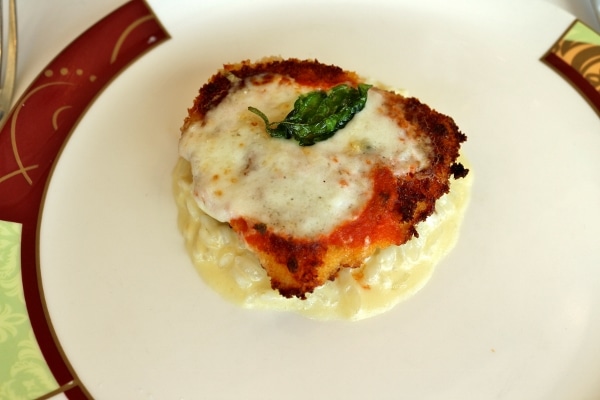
(36, 131)
(578, 62)
(45, 116)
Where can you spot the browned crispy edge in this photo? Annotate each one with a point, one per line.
(414, 194)
(306, 72)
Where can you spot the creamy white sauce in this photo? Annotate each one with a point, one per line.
(389, 276)
(240, 171)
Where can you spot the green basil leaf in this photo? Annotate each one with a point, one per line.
(318, 115)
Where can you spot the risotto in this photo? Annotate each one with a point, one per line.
(386, 278)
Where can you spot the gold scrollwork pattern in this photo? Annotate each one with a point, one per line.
(582, 57)
(576, 57)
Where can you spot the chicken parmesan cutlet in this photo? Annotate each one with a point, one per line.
(347, 171)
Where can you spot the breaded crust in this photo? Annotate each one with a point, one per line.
(296, 266)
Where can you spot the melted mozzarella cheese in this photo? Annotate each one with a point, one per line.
(388, 277)
(240, 171)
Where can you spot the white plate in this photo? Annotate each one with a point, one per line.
(510, 314)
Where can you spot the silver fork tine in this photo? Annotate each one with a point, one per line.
(8, 68)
